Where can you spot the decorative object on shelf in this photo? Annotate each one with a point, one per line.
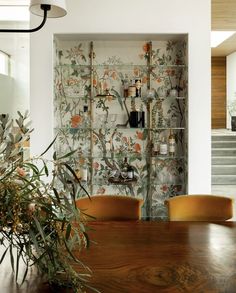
(45, 8)
(232, 112)
(163, 147)
(151, 94)
(122, 181)
(124, 175)
(38, 210)
(132, 91)
(173, 93)
(86, 122)
(162, 92)
(137, 119)
(171, 141)
(84, 172)
(127, 171)
(125, 83)
(138, 86)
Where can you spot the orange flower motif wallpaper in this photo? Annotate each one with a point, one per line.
(93, 102)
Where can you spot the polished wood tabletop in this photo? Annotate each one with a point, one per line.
(153, 257)
(158, 257)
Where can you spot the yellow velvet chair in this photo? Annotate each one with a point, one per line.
(110, 207)
(199, 208)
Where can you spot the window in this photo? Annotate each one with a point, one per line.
(4, 63)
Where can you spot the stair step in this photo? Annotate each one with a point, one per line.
(231, 137)
(223, 152)
(223, 170)
(222, 160)
(223, 179)
(229, 190)
(223, 144)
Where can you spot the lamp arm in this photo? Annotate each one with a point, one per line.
(45, 9)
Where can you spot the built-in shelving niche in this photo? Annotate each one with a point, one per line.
(89, 71)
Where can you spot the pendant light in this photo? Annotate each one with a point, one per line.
(44, 8)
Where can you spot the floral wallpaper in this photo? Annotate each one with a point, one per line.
(102, 136)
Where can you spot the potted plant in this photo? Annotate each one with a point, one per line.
(38, 216)
(232, 113)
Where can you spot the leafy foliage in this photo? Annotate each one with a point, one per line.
(38, 210)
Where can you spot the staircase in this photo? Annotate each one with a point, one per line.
(224, 161)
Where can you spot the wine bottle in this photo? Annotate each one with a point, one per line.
(130, 170)
(124, 169)
(171, 143)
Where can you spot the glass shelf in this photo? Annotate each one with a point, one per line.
(168, 184)
(133, 155)
(74, 97)
(129, 155)
(107, 182)
(138, 182)
(72, 66)
(121, 66)
(113, 97)
(168, 66)
(73, 129)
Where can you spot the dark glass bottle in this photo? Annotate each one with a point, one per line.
(128, 169)
(130, 172)
(85, 117)
(138, 85)
(124, 169)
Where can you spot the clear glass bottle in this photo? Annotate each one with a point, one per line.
(84, 172)
(163, 147)
(155, 149)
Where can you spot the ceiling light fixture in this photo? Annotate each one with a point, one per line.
(45, 8)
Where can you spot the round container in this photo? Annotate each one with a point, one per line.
(132, 91)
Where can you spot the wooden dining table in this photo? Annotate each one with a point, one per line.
(154, 257)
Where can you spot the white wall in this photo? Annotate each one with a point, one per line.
(142, 16)
(14, 95)
(6, 94)
(230, 82)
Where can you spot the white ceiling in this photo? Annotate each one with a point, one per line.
(12, 42)
(223, 17)
(14, 2)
